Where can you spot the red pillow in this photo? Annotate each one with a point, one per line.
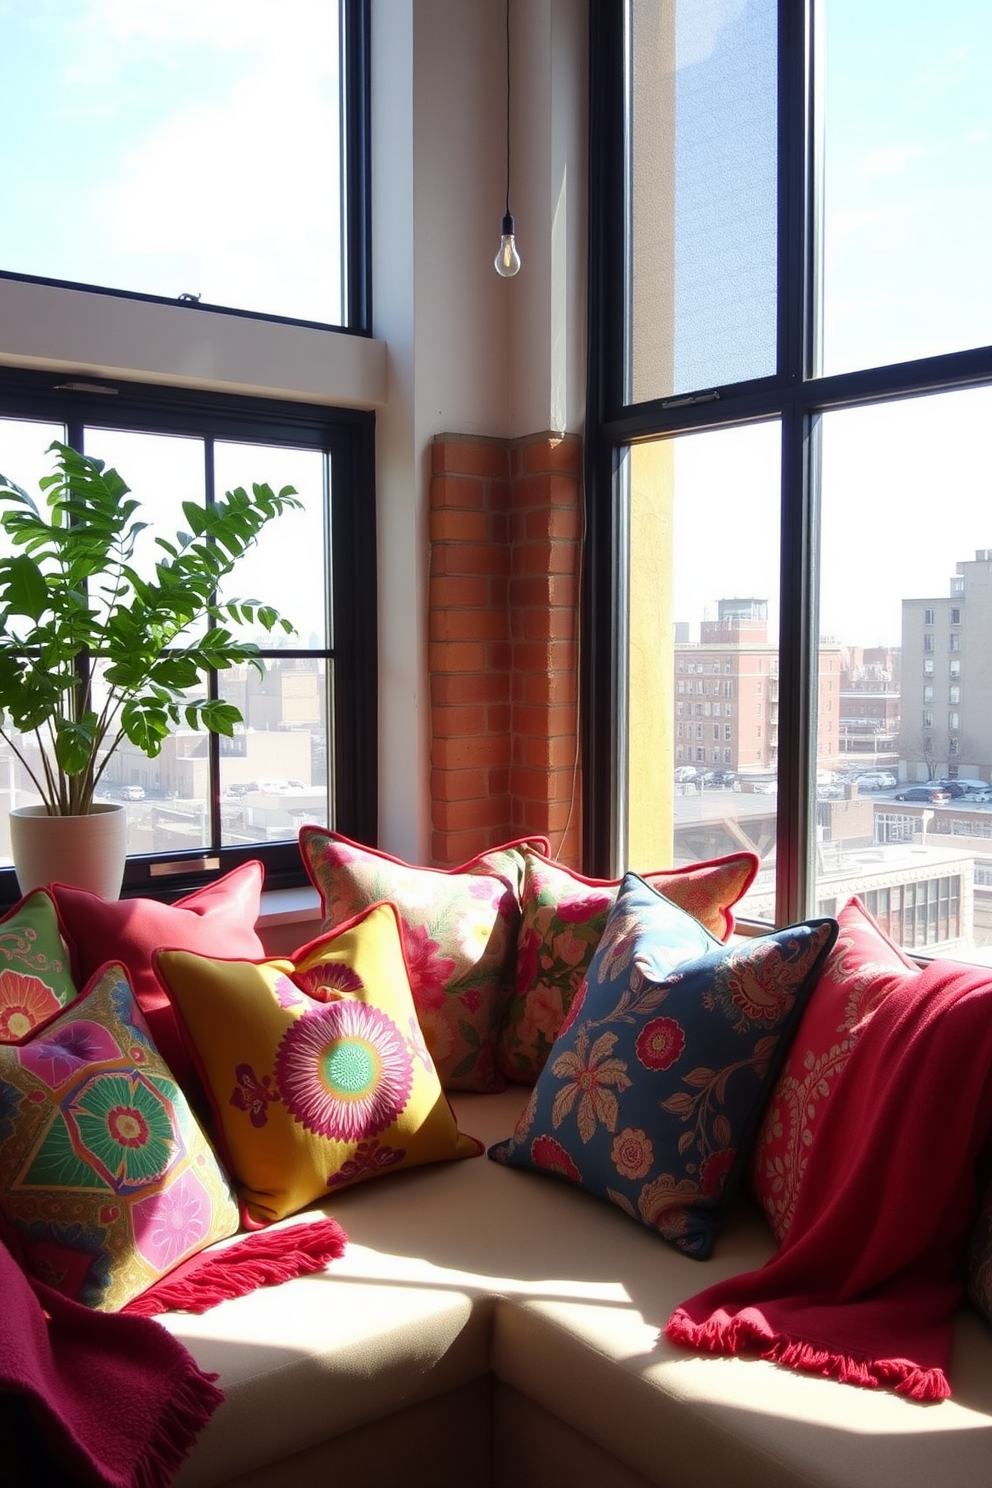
(217, 920)
(863, 967)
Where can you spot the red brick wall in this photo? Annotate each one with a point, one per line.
(505, 571)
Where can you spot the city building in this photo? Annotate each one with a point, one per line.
(946, 723)
(727, 693)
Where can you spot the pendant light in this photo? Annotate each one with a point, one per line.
(507, 260)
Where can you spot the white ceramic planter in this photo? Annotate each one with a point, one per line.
(85, 851)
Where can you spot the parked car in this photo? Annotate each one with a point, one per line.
(954, 788)
(934, 795)
(979, 797)
(684, 774)
(132, 793)
(877, 780)
(719, 778)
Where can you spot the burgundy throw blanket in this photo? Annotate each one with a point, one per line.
(113, 1400)
(92, 1398)
(868, 1276)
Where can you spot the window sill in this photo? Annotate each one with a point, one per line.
(288, 918)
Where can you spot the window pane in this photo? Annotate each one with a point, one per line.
(907, 575)
(287, 566)
(703, 700)
(702, 186)
(183, 148)
(905, 109)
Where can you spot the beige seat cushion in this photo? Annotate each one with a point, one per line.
(451, 1267)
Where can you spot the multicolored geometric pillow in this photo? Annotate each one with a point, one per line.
(563, 916)
(654, 1088)
(315, 1067)
(459, 939)
(218, 920)
(105, 1176)
(35, 980)
(863, 967)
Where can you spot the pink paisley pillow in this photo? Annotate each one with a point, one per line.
(459, 929)
(564, 914)
(863, 967)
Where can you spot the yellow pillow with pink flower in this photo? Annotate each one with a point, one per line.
(35, 979)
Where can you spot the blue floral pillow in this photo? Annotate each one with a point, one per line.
(653, 1090)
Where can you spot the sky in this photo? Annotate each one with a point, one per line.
(905, 90)
(175, 147)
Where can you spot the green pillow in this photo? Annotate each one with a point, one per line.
(35, 981)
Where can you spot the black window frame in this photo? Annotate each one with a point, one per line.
(348, 435)
(792, 396)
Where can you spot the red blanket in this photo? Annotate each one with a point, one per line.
(111, 1400)
(92, 1398)
(868, 1276)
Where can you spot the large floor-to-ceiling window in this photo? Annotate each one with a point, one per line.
(790, 581)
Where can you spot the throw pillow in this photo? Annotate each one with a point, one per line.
(563, 916)
(106, 1179)
(315, 1066)
(863, 967)
(218, 919)
(652, 1093)
(35, 980)
(459, 939)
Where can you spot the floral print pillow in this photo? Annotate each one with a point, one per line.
(459, 937)
(315, 1065)
(654, 1088)
(105, 1176)
(563, 915)
(35, 977)
(863, 967)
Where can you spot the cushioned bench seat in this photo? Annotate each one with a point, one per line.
(513, 1326)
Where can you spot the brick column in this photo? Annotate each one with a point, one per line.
(505, 529)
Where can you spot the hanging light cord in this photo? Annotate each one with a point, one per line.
(508, 107)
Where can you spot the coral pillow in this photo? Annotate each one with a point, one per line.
(459, 938)
(35, 980)
(315, 1066)
(863, 967)
(653, 1090)
(106, 1180)
(563, 915)
(218, 919)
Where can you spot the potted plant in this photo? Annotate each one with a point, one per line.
(94, 650)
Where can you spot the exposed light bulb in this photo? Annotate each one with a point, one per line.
(507, 260)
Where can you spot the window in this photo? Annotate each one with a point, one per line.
(954, 693)
(928, 694)
(955, 642)
(953, 722)
(928, 718)
(955, 668)
(162, 130)
(766, 369)
(303, 751)
(955, 615)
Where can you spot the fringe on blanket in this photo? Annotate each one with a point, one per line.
(731, 1335)
(260, 1258)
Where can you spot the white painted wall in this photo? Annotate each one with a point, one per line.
(456, 348)
(469, 352)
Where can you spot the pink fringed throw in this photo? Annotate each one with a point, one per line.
(96, 1398)
(260, 1258)
(869, 1274)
